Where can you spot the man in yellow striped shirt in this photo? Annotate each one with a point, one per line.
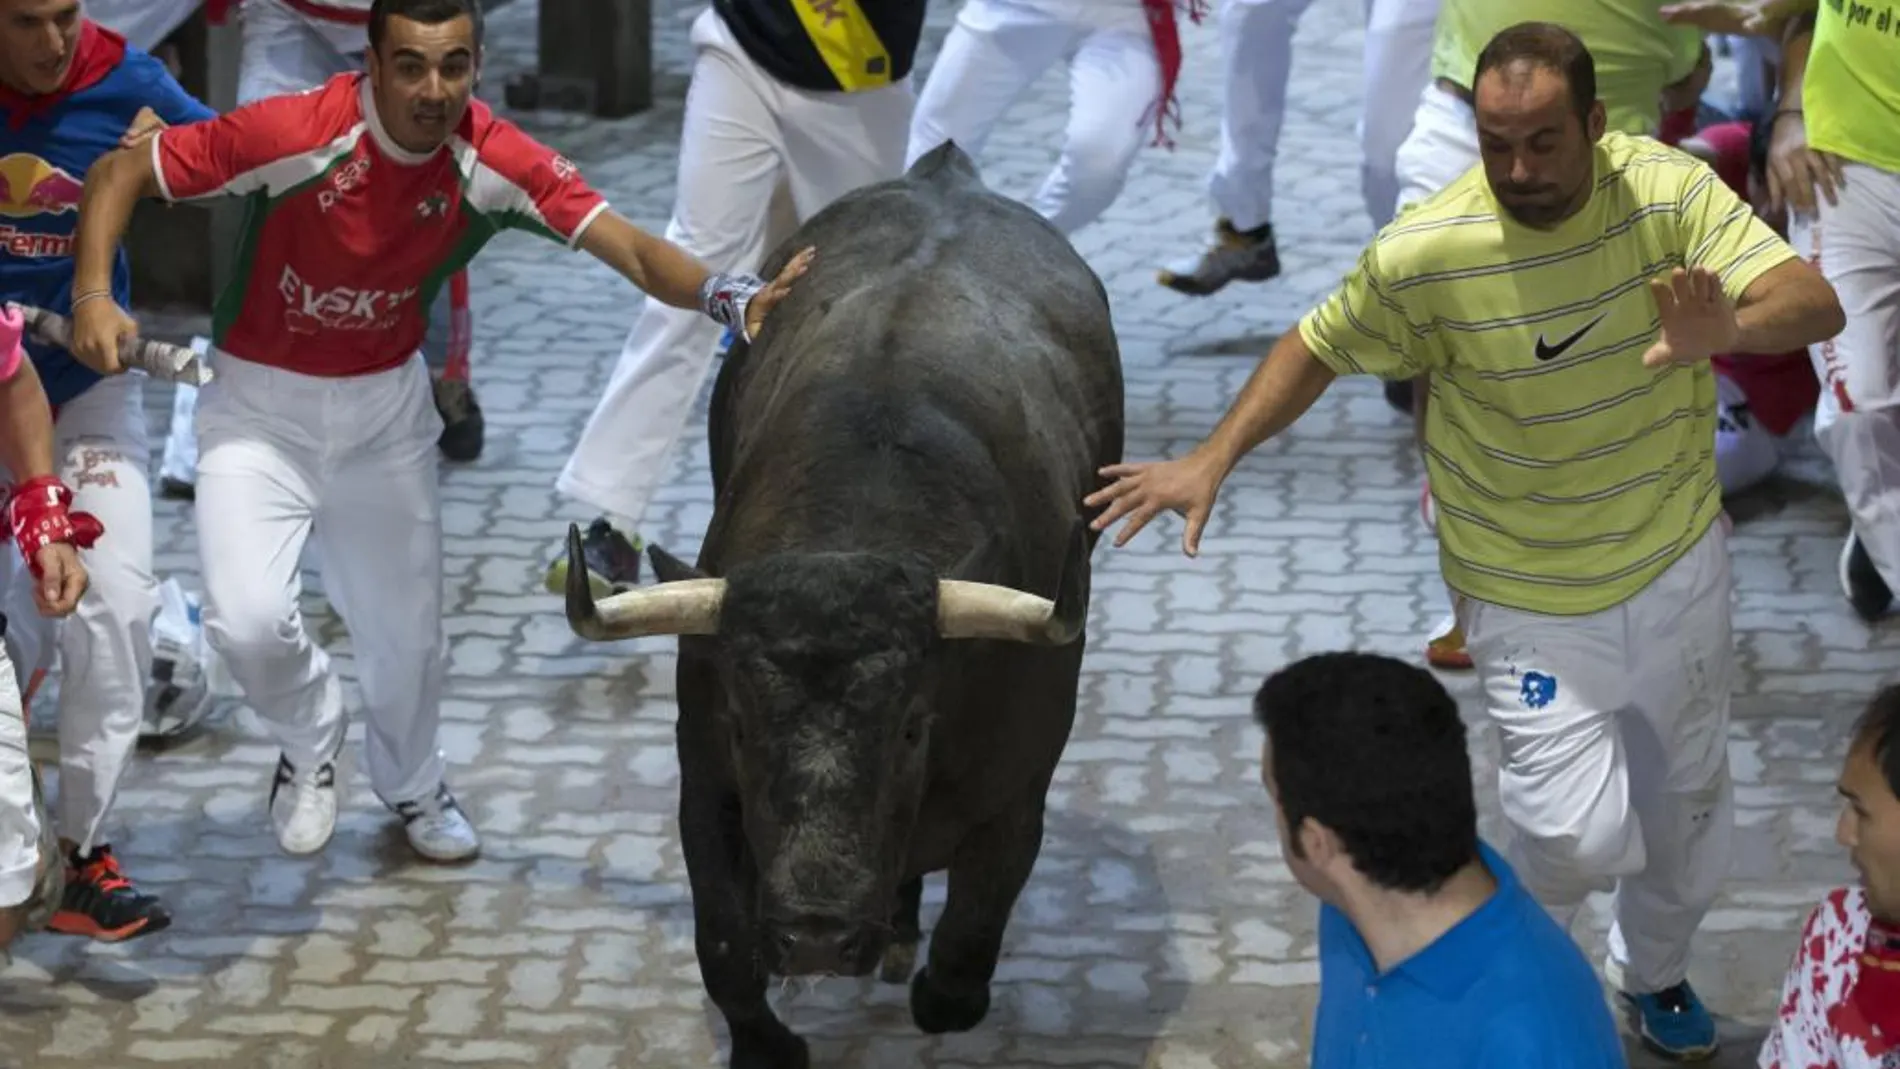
(1562, 301)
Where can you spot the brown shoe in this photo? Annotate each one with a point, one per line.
(1237, 256)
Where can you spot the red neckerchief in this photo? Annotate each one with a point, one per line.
(1167, 37)
(96, 54)
(1877, 989)
(218, 11)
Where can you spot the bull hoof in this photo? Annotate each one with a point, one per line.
(900, 961)
(936, 1011)
(755, 1049)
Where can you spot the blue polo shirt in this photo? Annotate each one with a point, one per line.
(1503, 989)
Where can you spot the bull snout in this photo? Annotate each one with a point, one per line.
(815, 944)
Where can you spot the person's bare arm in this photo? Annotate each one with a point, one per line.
(26, 425)
(1789, 307)
(653, 264)
(116, 183)
(1280, 390)
(1796, 171)
(1282, 387)
(670, 273)
(114, 186)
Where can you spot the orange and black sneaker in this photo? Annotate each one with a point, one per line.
(100, 903)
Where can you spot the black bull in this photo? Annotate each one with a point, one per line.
(883, 635)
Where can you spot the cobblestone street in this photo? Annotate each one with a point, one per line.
(1160, 928)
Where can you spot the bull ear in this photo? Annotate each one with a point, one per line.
(670, 569)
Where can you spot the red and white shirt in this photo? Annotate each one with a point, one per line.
(349, 236)
(1830, 1017)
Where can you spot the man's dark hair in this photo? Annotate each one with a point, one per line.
(427, 12)
(1372, 748)
(1879, 728)
(1548, 46)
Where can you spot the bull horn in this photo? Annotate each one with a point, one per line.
(687, 607)
(987, 610)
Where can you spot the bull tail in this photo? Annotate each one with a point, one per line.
(947, 164)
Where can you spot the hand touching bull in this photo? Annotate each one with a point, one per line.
(1141, 492)
(1278, 392)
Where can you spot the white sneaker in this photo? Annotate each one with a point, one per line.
(303, 806)
(437, 828)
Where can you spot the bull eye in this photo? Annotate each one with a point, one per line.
(912, 733)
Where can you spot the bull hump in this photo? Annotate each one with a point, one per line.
(947, 164)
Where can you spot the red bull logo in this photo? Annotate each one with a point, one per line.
(31, 187)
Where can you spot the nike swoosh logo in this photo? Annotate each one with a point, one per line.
(1547, 351)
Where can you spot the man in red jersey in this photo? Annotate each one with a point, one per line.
(366, 195)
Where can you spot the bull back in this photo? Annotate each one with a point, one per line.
(947, 365)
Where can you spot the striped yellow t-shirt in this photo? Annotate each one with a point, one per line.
(1566, 474)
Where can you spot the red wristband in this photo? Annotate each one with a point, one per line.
(38, 515)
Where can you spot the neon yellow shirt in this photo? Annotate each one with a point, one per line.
(1636, 53)
(1850, 94)
(1567, 475)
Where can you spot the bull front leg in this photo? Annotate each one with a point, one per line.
(900, 958)
(987, 874)
(725, 934)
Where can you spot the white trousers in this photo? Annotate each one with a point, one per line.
(352, 463)
(19, 815)
(101, 451)
(1256, 57)
(996, 51)
(1441, 147)
(1856, 245)
(744, 134)
(1614, 771)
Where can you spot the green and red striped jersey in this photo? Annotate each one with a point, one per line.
(348, 236)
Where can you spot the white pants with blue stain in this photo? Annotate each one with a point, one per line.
(998, 48)
(104, 649)
(1256, 59)
(1613, 767)
(745, 136)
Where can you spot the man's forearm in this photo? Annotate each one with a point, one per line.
(113, 187)
(26, 426)
(1795, 311)
(1797, 36)
(654, 265)
(1278, 392)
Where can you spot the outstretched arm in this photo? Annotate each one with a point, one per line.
(1281, 389)
(1360, 329)
(677, 277)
